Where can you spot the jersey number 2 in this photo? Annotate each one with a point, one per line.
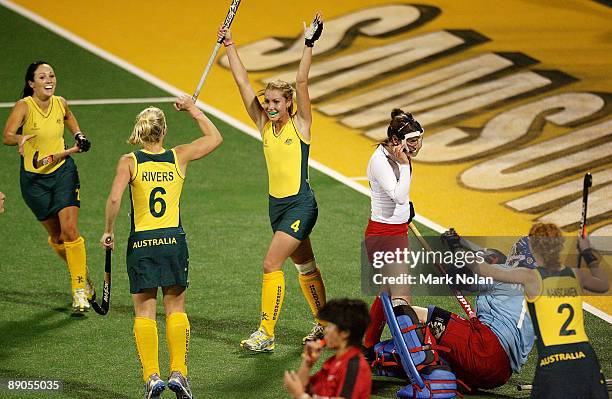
(159, 200)
(564, 331)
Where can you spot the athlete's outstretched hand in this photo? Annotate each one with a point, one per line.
(225, 35)
(22, 141)
(312, 32)
(185, 103)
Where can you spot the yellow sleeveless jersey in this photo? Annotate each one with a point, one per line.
(155, 190)
(557, 312)
(286, 155)
(48, 131)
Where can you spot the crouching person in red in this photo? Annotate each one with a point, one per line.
(346, 374)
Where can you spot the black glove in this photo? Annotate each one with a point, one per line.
(82, 142)
(313, 33)
(451, 239)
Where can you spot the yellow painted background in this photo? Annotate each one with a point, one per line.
(173, 40)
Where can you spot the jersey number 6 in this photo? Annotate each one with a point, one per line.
(159, 200)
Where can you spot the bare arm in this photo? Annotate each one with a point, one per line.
(596, 278)
(204, 145)
(304, 112)
(520, 275)
(113, 203)
(69, 119)
(14, 122)
(239, 72)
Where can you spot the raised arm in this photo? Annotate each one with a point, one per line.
(520, 275)
(113, 203)
(304, 112)
(203, 146)
(595, 278)
(380, 170)
(239, 72)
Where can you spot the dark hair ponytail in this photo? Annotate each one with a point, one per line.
(29, 77)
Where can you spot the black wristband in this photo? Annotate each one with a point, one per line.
(588, 256)
(309, 43)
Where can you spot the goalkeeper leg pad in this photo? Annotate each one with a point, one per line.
(419, 360)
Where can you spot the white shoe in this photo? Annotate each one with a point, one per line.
(80, 304)
(259, 341)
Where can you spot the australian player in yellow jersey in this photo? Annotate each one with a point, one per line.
(292, 206)
(157, 254)
(567, 366)
(51, 190)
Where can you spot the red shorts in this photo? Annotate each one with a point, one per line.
(476, 356)
(385, 237)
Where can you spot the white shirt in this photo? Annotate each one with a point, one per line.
(390, 186)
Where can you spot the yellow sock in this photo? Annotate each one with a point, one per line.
(77, 262)
(313, 289)
(145, 334)
(177, 336)
(272, 295)
(59, 249)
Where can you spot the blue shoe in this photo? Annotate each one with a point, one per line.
(179, 384)
(154, 387)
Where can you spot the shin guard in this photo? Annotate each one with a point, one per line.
(417, 354)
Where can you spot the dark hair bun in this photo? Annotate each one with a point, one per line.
(396, 112)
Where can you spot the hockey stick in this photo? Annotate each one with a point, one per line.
(49, 159)
(231, 13)
(586, 184)
(103, 308)
(465, 304)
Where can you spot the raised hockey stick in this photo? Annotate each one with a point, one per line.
(586, 184)
(463, 302)
(106, 291)
(231, 13)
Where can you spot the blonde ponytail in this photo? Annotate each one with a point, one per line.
(149, 126)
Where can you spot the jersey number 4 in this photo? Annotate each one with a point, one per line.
(153, 201)
(296, 226)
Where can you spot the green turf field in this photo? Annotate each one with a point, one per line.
(224, 212)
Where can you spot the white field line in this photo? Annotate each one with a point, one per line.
(111, 101)
(217, 113)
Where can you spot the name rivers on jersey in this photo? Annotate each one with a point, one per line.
(157, 176)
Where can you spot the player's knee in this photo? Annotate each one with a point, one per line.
(306, 267)
(270, 266)
(69, 234)
(55, 239)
